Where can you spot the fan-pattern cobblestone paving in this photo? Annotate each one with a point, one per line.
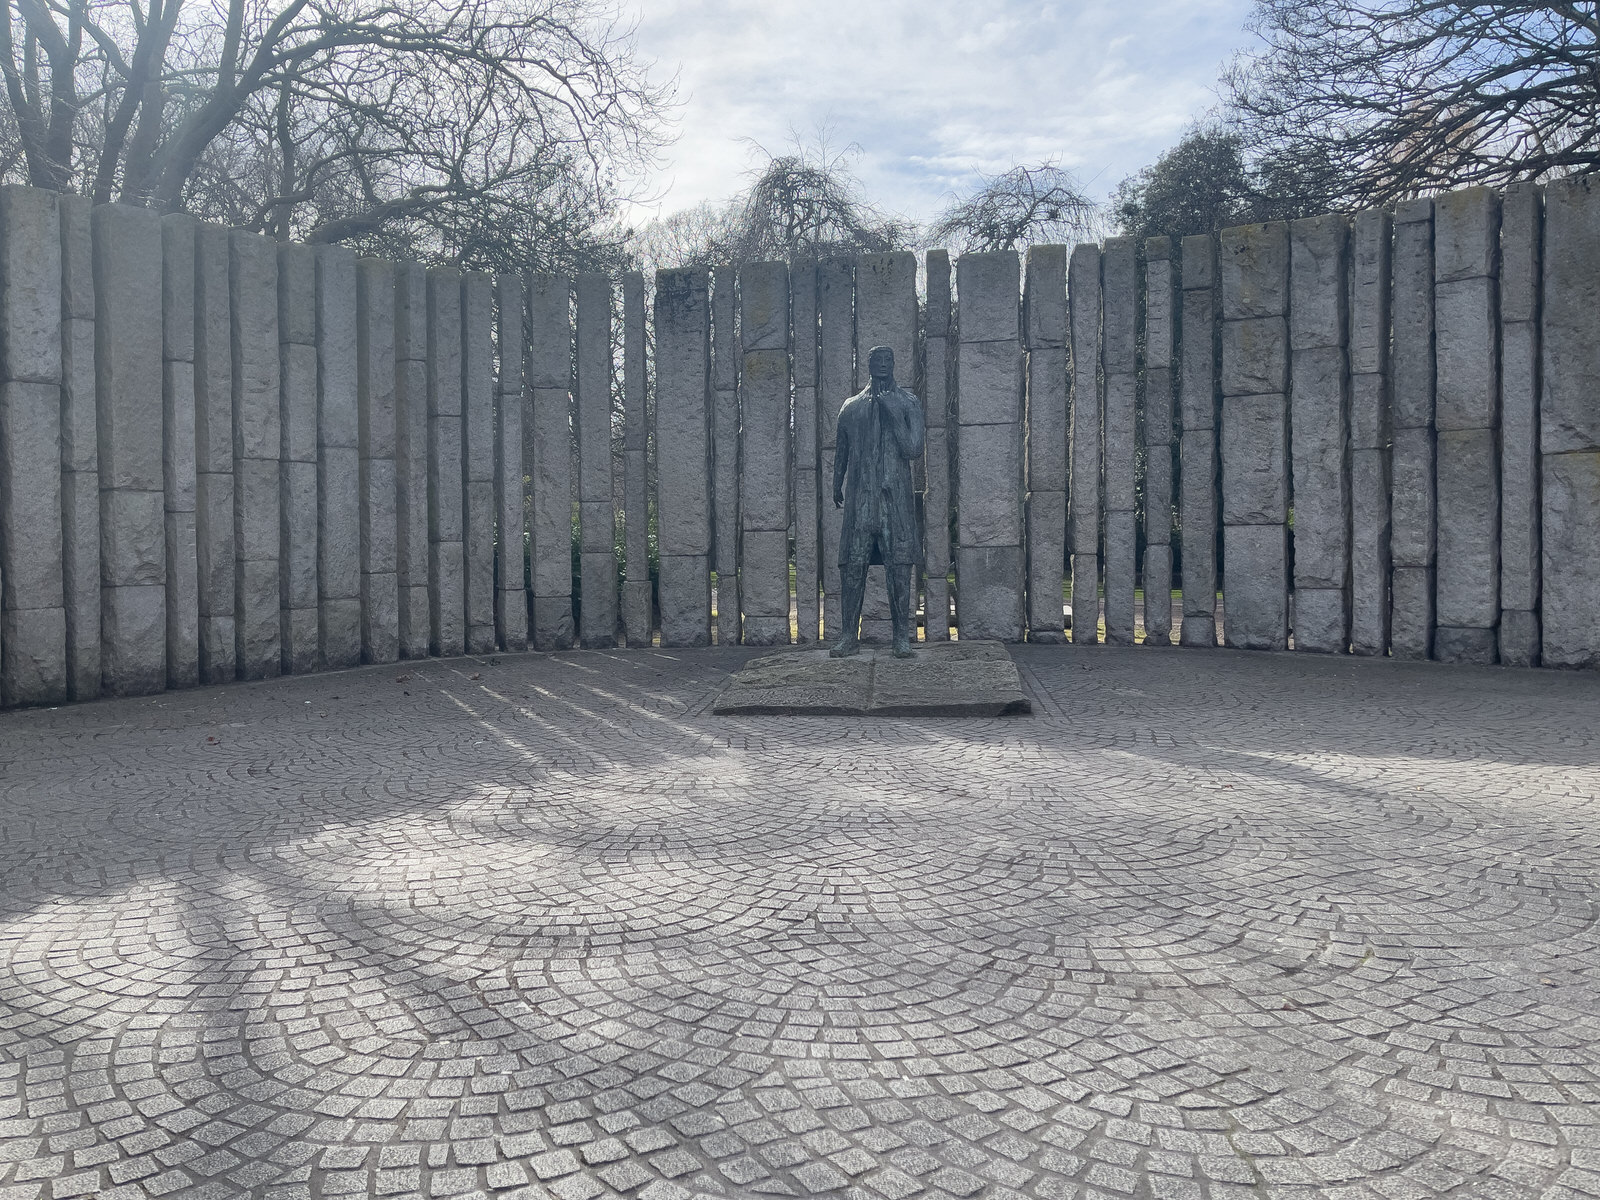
(1204, 925)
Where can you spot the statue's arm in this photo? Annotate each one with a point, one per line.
(841, 459)
(907, 425)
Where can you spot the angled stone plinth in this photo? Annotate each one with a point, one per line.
(944, 679)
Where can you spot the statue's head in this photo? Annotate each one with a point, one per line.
(880, 364)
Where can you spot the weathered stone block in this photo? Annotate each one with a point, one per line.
(411, 314)
(218, 657)
(1160, 389)
(764, 441)
(298, 420)
(638, 612)
(80, 570)
(1412, 497)
(30, 493)
(76, 215)
(257, 489)
(338, 369)
(987, 289)
(1254, 458)
(414, 620)
(1158, 494)
(183, 602)
(478, 546)
(214, 544)
(989, 485)
(1256, 586)
(1047, 419)
(213, 352)
(1411, 614)
(1199, 629)
(1255, 356)
(1519, 632)
(1120, 306)
(886, 309)
(1466, 234)
(1253, 267)
(1369, 551)
(1371, 240)
(1411, 363)
(253, 311)
(132, 538)
(339, 634)
(444, 478)
(1158, 595)
(339, 522)
(1321, 469)
(685, 600)
(297, 543)
(301, 654)
(1197, 393)
(1199, 262)
(1521, 251)
(765, 576)
(1519, 467)
(1467, 367)
(297, 291)
(989, 592)
(1120, 432)
(1479, 647)
(1319, 291)
(478, 376)
(1197, 504)
(444, 342)
(1044, 302)
(683, 422)
(1161, 298)
(1467, 579)
(1083, 572)
(597, 525)
(1571, 566)
(133, 647)
(127, 247)
(1047, 532)
(989, 391)
(1569, 416)
(447, 624)
(178, 232)
(79, 438)
(178, 444)
(1121, 565)
(1321, 619)
(30, 286)
(1369, 412)
(33, 661)
(764, 306)
(257, 619)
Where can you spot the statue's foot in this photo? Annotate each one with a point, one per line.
(902, 647)
(846, 648)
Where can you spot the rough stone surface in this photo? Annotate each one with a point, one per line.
(836, 379)
(1412, 314)
(1157, 583)
(597, 516)
(1253, 269)
(1571, 559)
(1412, 497)
(1369, 551)
(955, 679)
(1321, 468)
(478, 497)
(1371, 248)
(1411, 617)
(80, 576)
(1047, 529)
(807, 513)
(1083, 299)
(30, 285)
(725, 472)
(511, 590)
(376, 437)
(1198, 528)
(1256, 586)
(1254, 456)
(1321, 619)
(989, 595)
(133, 622)
(1520, 643)
(1121, 562)
(411, 458)
(1519, 459)
(548, 440)
(1255, 356)
(215, 550)
(1084, 578)
(683, 454)
(848, 920)
(988, 485)
(936, 382)
(1467, 584)
(1457, 644)
(1197, 411)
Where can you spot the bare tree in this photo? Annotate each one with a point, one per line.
(1027, 204)
(1360, 102)
(476, 130)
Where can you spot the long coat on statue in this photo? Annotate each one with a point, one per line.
(876, 441)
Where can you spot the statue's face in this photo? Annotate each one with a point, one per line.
(880, 363)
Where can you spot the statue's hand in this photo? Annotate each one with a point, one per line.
(838, 498)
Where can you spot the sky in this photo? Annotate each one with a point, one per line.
(932, 91)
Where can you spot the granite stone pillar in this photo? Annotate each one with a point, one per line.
(1198, 480)
(638, 597)
(548, 457)
(725, 454)
(1119, 364)
(836, 383)
(128, 398)
(1254, 270)
(938, 369)
(338, 462)
(683, 455)
(1569, 425)
(1044, 303)
(1466, 297)
(297, 340)
(1370, 431)
(886, 315)
(257, 445)
(1411, 495)
(989, 468)
(1160, 387)
(411, 457)
(807, 492)
(764, 445)
(376, 365)
(215, 557)
(1319, 389)
(80, 455)
(597, 515)
(1521, 246)
(447, 633)
(511, 540)
(33, 624)
(478, 504)
(1084, 441)
(178, 454)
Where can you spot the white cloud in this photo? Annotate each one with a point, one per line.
(933, 90)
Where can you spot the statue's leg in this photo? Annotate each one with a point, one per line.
(853, 577)
(899, 577)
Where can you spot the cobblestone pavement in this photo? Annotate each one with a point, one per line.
(1205, 925)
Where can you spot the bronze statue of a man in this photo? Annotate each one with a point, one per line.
(880, 432)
